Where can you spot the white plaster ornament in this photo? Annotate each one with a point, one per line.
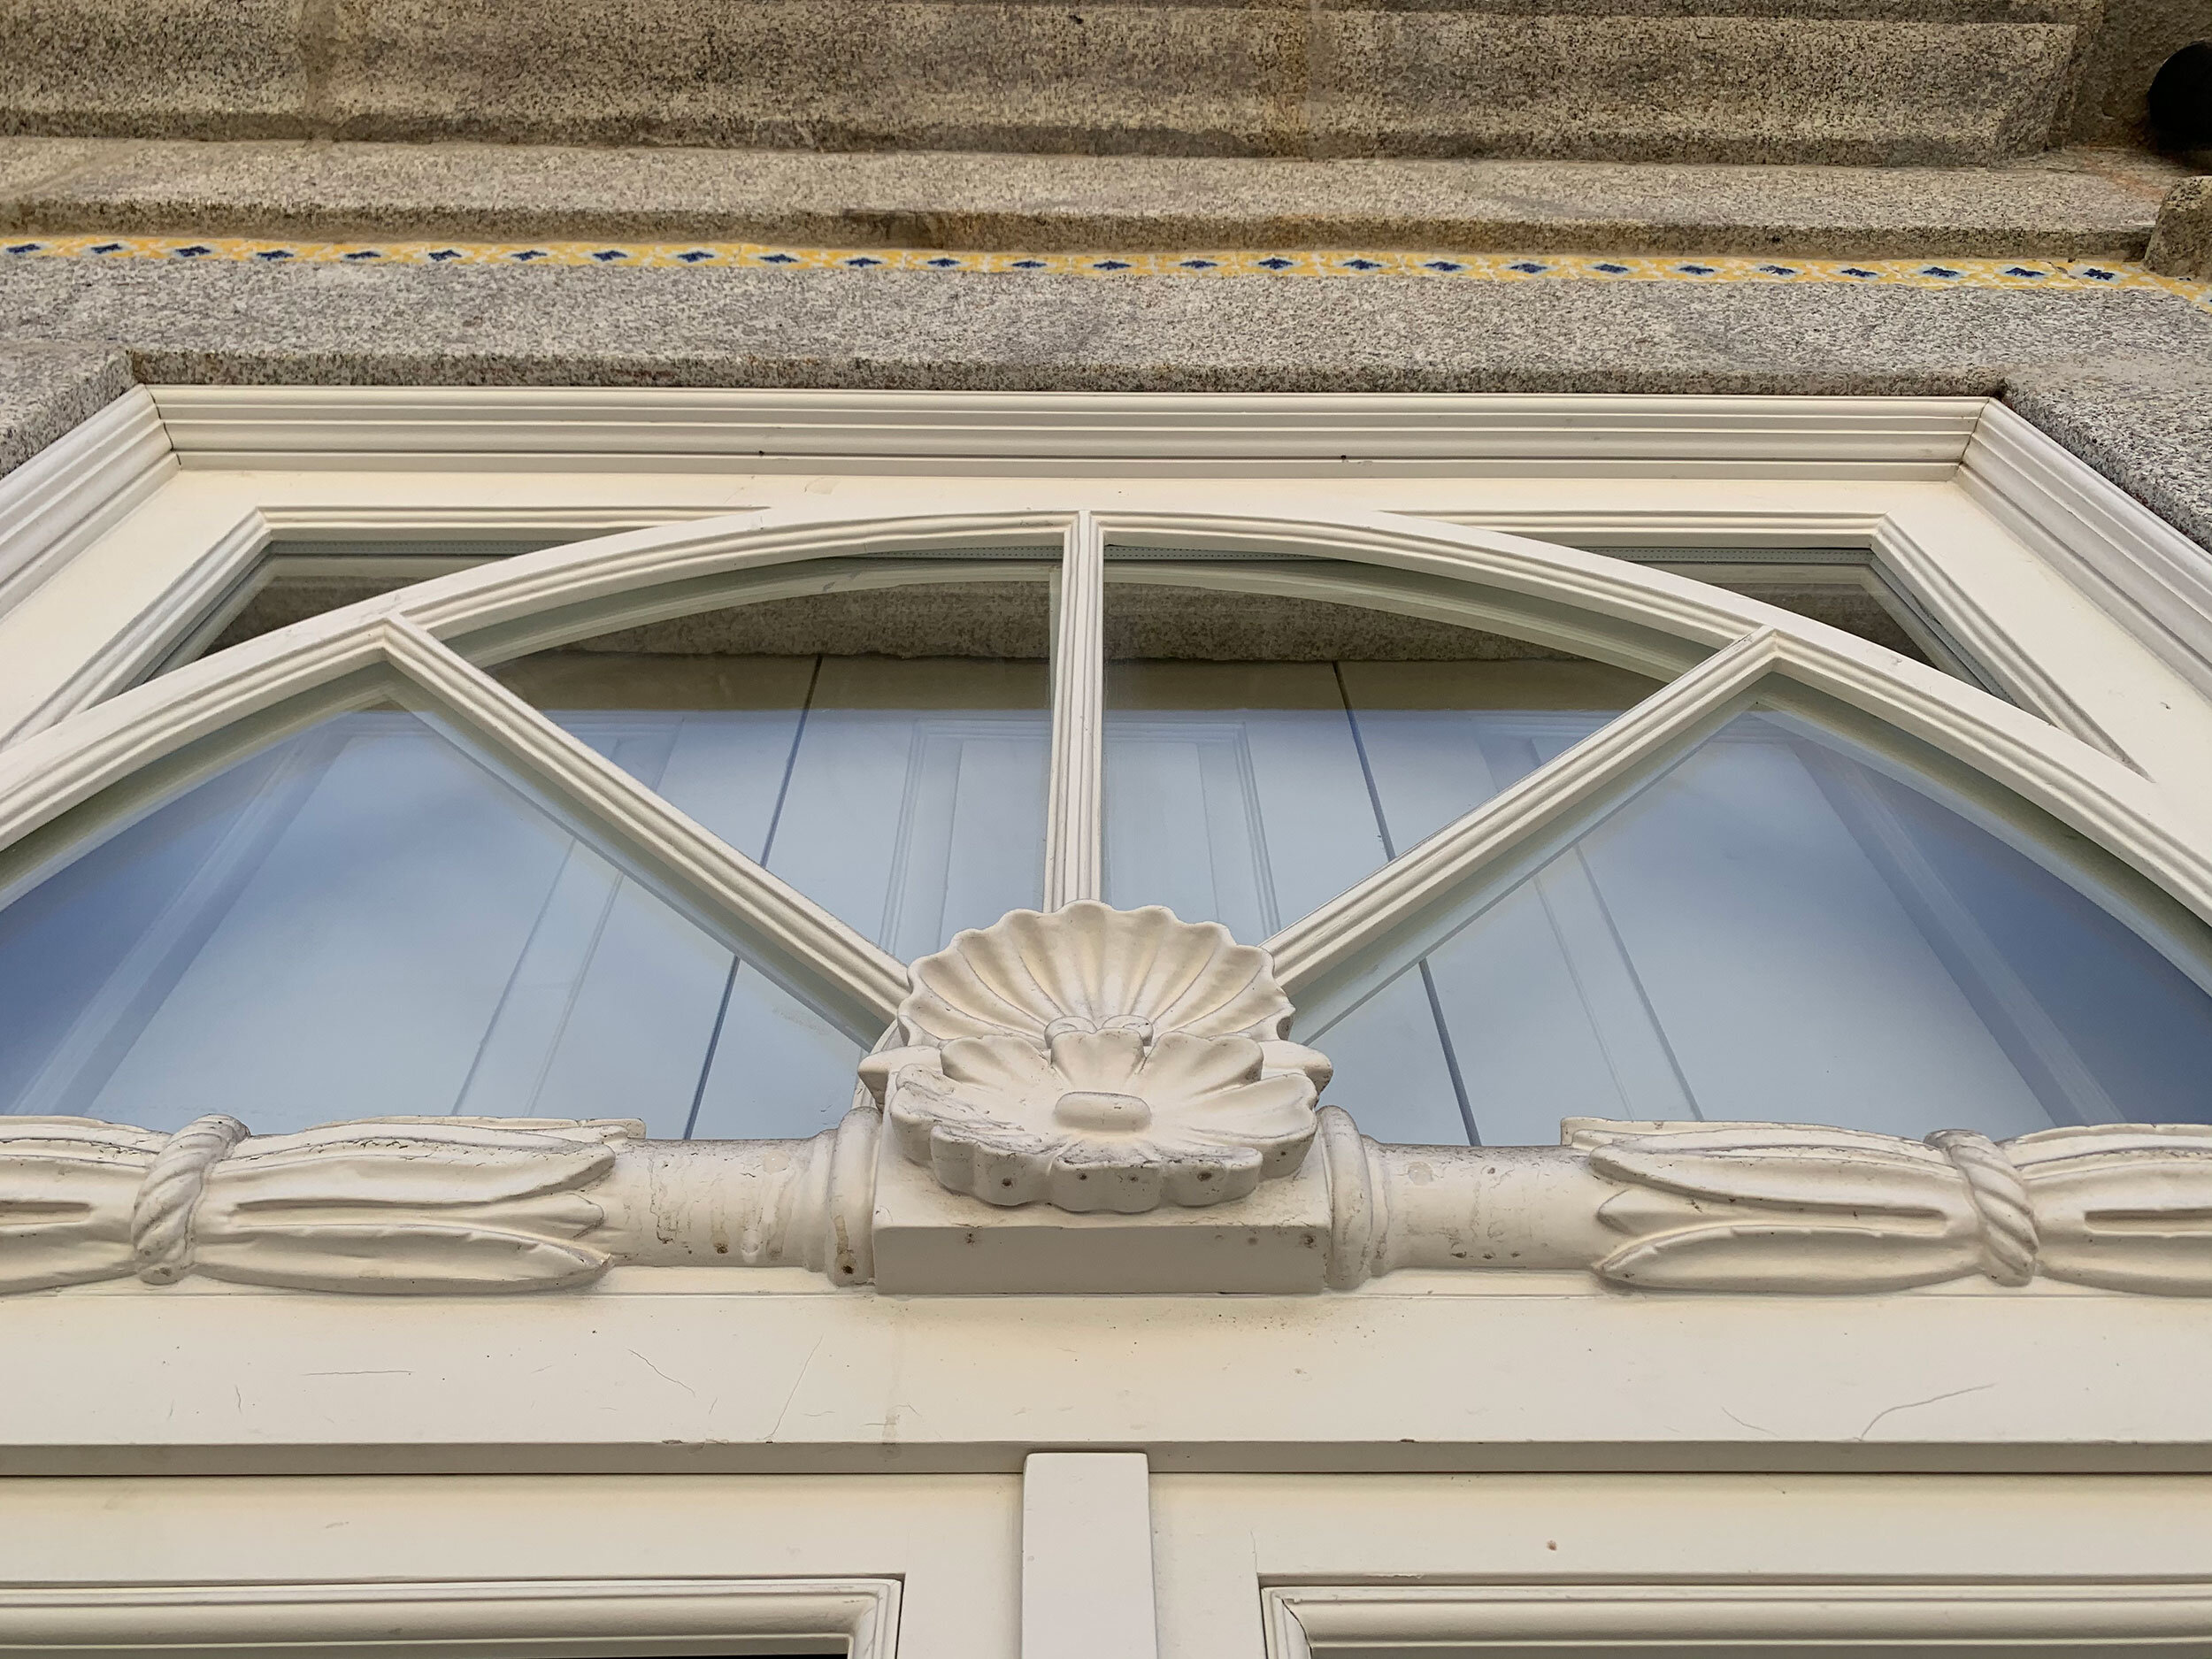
(1097, 1059)
(1101, 1060)
(439, 1204)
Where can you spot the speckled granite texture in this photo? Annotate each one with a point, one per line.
(1843, 81)
(2182, 244)
(2144, 422)
(463, 323)
(2131, 41)
(2124, 378)
(46, 389)
(2067, 204)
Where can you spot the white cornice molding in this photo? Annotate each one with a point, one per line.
(77, 486)
(2153, 578)
(2148, 573)
(524, 429)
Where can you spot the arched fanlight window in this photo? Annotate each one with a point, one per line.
(649, 825)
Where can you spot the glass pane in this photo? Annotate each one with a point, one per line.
(1782, 927)
(883, 751)
(1845, 587)
(1264, 753)
(293, 581)
(361, 921)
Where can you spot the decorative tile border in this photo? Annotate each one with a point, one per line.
(2072, 274)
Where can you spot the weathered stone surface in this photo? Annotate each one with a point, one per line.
(48, 387)
(2146, 423)
(1695, 89)
(1842, 81)
(2123, 377)
(37, 166)
(2075, 203)
(228, 68)
(819, 74)
(2182, 244)
(487, 324)
(2119, 57)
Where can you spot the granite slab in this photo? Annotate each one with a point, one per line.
(539, 324)
(2068, 204)
(2144, 422)
(47, 387)
(2123, 378)
(1872, 82)
(2181, 245)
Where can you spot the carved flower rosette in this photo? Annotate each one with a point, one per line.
(1097, 1059)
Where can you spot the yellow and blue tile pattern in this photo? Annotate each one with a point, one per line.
(2078, 275)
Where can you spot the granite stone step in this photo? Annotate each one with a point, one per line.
(1847, 81)
(2067, 205)
(2182, 243)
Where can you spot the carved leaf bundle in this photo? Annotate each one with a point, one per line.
(453, 1207)
(67, 1186)
(2124, 1206)
(440, 1204)
(1770, 1207)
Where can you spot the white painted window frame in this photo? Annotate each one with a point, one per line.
(2090, 611)
(512, 1565)
(1621, 1621)
(1095, 1554)
(518, 1618)
(222, 470)
(834, 474)
(1611, 1567)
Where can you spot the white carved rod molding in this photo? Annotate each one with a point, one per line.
(452, 1205)
(1098, 1099)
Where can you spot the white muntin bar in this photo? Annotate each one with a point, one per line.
(1074, 863)
(847, 979)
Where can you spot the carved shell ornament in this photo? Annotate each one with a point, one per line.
(1097, 1059)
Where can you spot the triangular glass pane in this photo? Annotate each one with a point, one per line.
(1783, 927)
(293, 580)
(1264, 753)
(1849, 587)
(884, 752)
(361, 921)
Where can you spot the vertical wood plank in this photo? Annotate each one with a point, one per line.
(1086, 1557)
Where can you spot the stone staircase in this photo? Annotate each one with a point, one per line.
(1879, 83)
(2070, 204)
(1851, 127)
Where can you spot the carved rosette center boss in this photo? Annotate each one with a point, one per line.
(1098, 1059)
